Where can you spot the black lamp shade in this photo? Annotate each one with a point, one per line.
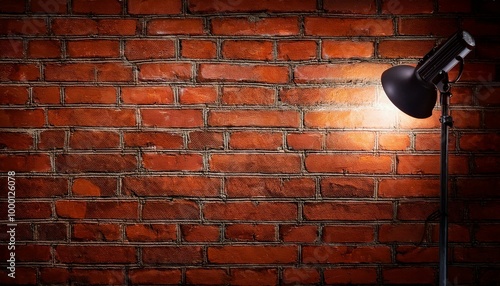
(410, 94)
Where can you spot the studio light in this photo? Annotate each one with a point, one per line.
(414, 91)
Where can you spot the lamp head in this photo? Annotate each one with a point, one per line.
(413, 90)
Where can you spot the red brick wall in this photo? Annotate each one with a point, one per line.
(242, 142)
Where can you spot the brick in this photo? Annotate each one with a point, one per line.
(304, 141)
(349, 7)
(401, 188)
(254, 118)
(254, 276)
(96, 232)
(155, 276)
(11, 49)
(480, 142)
(269, 187)
(491, 119)
(117, 27)
(350, 140)
(172, 162)
(184, 26)
(404, 49)
(12, 6)
(40, 187)
(44, 49)
(30, 210)
(200, 6)
(173, 210)
(348, 211)
(419, 275)
(348, 233)
(443, 27)
(108, 7)
(247, 50)
(13, 95)
(449, 6)
(23, 26)
(484, 211)
(347, 187)
(154, 7)
(346, 254)
(97, 117)
(299, 233)
(250, 232)
(467, 119)
(487, 233)
(88, 94)
(77, 254)
(328, 96)
(353, 163)
(149, 49)
(211, 276)
(356, 118)
(347, 27)
(344, 275)
(74, 26)
(346, 49)
(432, 142)
(147, 95)
(25, 163)
(94, 140)
(408, 232)
(407, 7)
(411, 254)
(243, 95)
(478, 188)
(182, 118)
(52, 232)
(248, 211)
(483, 254)
(49, 7)
(327, 73)
(202, 140)
(151, 232)
(250, 140)
(33, 253)
(171, 186)
(16, 141)
(254, 26)
(481, 26)
(96, 209)
(198, 95)
(198, 49)
(29, 276)
(153, 140)
(429, 164)
(93, 49)
(82, 163)
(46, 94)
(165, 71)
(255, 163)
(395, 142)
(25, 230)
(189, 255)
(297, 50)
(82, 276)
(243, 254)
(51, 139)
(19, 72)
(223, 72)
(22, 118)
(200, 233)
(94, 186)
(82, 72)
(416, 210)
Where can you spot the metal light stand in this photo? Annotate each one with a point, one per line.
(446, 122)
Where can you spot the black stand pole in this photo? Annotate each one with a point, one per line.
(446, 122)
